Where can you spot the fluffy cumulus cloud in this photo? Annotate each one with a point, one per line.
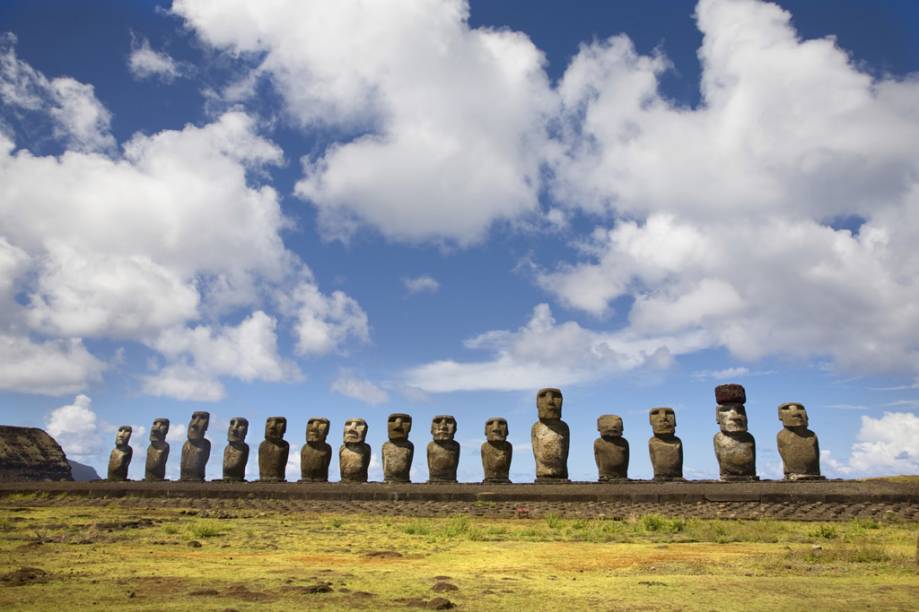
(450, 120)
(777, 217)
(350, 385)
(145, 62)
(421, 284)
(105, 246)
(885, 445)
(545, 352)
(75, 428)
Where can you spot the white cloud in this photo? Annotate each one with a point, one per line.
(79, 118)
(75, 429)
(349, 385)
(451, 119)
(144, 62)
(421, 284)
(543, 352)
(325, 321)
(50, 367)
(725, 374)
(885, 445)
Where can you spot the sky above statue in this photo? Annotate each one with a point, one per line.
(348, 209)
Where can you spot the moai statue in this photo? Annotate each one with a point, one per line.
(120, 459)
(197, 449)
(611, 450)
(497, 452)
(236, 453)
(158, 451)
(315, 455)
(734, 445)
(797, 444)
(273, 451)
(443, 450)
(550, 437)
(354, 454)
(665, 448)
(398, 451)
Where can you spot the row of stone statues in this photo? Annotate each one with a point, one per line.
(735, 447)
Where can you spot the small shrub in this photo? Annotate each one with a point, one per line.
(206, 530)
(336, 523)
(826, 532)
(553, 521)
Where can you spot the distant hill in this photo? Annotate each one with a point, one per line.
(81, 471)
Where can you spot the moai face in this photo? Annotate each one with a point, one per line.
(443, 428)
(549, 404)
(159, 430)
(398, 426)
(496, 429)
(238, 429)
(355, 431)
(123, 435)
(793, 415)
(317, 429)
(610, 426)
(732, 418)
(197, 427)
(663, 421)
(275, 428)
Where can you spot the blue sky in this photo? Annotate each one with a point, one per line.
(321, 209)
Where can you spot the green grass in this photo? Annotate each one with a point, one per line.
(141, 558)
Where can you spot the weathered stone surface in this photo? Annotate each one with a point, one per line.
(735, 447)
(158, 451)
(236, 452)
(611, 450)
(497, 452)
(797, 444)
(443, 450)
(730, 394)
(665, 448)
(274, 451)
(550, 437)
(197, 449)
(315, 455)
(354, 454)
(28, 453)
(398, 451)
(120, 458)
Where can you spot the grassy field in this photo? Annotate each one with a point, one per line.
(73, 555)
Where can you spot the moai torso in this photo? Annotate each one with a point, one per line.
(550, 437)
(397, 461)
(736, 453)
(235, 459)
(354, 461)
(118, 463)
(443, 459)
(272, 460)
(666, 457)
(612, 457)
(195, 454)
(797, 444)
(496, 461)
(157, 455)
(314, 462)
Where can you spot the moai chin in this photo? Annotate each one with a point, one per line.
(550, 437)
(315, 455)
(735, 447)
(158, 451)
(354, 454)
(443, 450)
(273, 451)
(236, 453)
(197, 449)
(797, 444)
(611, 450)
(497, 452)
(398, 451)
(120, 459)
(665, 448)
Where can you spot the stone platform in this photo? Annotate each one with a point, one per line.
(815, 500)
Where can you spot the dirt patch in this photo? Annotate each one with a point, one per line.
(444, 587)
(310, 589)
(242, 593)
(383, 554)
(24, 576)
(204, 593)
(437, 603)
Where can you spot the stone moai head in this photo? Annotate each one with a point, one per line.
(123, 436)
(443, 427)
(496, 429)
(238, 429)
(355, 431)
(793, 415)
(549, 404)
(730, 412)
(159, 430)
(275, 427)
(197, 427)
(398, 426)
(663, 421)
(317, 429)
(610, 426)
